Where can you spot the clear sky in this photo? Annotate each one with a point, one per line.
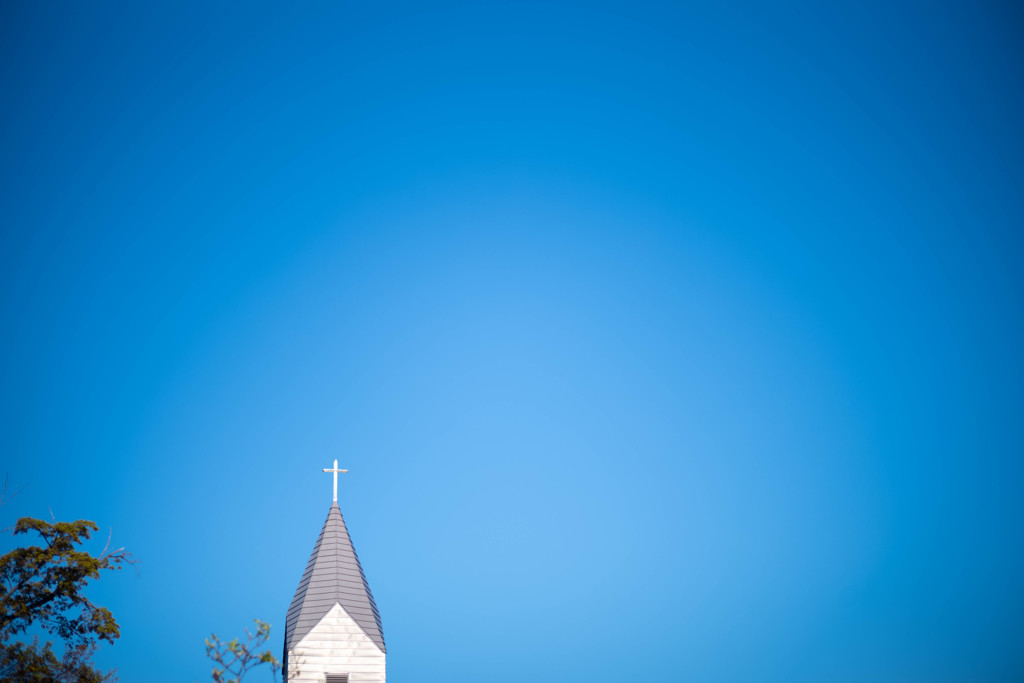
(662, 342)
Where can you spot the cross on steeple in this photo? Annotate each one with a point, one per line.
(335, 471)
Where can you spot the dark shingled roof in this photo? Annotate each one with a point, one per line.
(333, 576)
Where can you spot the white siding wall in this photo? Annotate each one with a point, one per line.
(336, 645)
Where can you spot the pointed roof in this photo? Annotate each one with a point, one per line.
(333, 576)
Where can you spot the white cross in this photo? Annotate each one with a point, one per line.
(335, 470)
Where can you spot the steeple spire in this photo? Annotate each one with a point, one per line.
(333, 576)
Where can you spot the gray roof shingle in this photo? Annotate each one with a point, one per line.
(333, 576)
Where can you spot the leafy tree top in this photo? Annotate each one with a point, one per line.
(43, 584)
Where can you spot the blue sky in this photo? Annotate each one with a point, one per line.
(663, 342)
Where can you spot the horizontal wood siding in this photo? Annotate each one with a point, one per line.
(336, 645)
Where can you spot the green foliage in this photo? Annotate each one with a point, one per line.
(42, 585)
(234, 658)
(22, 662)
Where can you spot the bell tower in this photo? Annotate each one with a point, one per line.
(333, 631)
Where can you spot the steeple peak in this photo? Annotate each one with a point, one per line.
(333, 576)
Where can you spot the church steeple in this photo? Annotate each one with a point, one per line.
(332, 598)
